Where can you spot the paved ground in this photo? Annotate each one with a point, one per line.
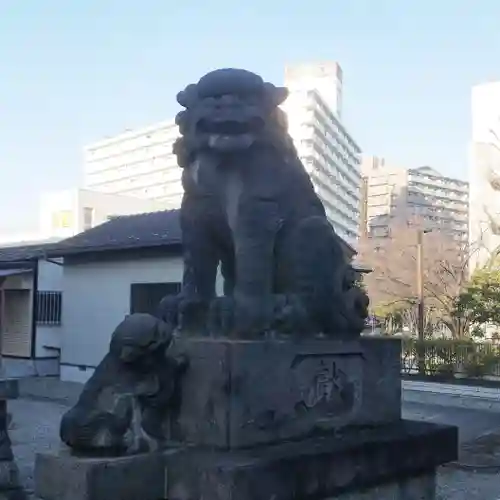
(454, 483)
(471, 423)
(35, 429)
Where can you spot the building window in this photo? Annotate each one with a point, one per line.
(48, 308)
(88, 218)
(145, 297)
(62, 219)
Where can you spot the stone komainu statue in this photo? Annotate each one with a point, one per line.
(249, 205)
(124, 406)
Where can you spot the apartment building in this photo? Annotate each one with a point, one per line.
(392, 192)
(137, 163)
(327, 150)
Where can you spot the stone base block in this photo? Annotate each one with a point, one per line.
(9, 388)
(10, 485)
(414, 488)
(9, 476)
(13, 495)
(240, 393)
(62, 476)
(395, 462)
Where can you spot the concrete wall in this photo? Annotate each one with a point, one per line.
(96, 298)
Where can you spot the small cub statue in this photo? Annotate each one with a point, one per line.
(124, 406)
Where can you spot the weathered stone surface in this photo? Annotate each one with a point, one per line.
(9, 475)
(123, 406)
(392, 462)
(414, 488)
(10, 485)
(379, 461)
(240, 393)
(62, 476)
(9, 388)
(13, 495)
(381, 400)
(249, 206)
(5, 446)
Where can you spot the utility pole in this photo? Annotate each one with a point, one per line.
(364, 207)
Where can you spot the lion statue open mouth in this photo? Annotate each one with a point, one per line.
(250, 207)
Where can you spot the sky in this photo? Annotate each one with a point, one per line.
(78, 71)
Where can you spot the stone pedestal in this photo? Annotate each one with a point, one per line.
(274, 419)
(10, 485)
(61, 476)
(238, 394)
(399, 458)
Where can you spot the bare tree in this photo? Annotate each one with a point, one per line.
(393, 283)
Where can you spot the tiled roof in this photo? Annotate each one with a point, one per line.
(123, 233)
(127, 232)
(17, 253)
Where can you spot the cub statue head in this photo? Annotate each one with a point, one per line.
(228, 111)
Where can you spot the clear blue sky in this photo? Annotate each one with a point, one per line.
(75, 71)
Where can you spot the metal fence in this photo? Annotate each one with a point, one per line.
(448, 358)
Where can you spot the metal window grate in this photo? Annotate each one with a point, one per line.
(48, 308)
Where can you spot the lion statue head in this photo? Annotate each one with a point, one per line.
(140, 340)
(228, 111)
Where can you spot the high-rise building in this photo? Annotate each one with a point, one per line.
(137, 163)
(484, 172)
(327, 150)
(395, 193)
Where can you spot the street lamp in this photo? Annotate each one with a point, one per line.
(420, 293)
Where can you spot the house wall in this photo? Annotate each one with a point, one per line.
(96, 298)
(48, 338)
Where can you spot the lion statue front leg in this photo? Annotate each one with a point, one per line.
(254, 230)
(201, 255)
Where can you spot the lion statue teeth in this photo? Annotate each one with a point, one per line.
(250, 207)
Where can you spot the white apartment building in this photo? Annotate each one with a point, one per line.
(393, 192)
(137, 163)
(68, 212)
(484, 172)
(328, 151)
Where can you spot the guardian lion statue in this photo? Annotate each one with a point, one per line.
(250, 207)
(124, 406)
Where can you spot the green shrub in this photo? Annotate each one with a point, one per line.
(480, 364)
